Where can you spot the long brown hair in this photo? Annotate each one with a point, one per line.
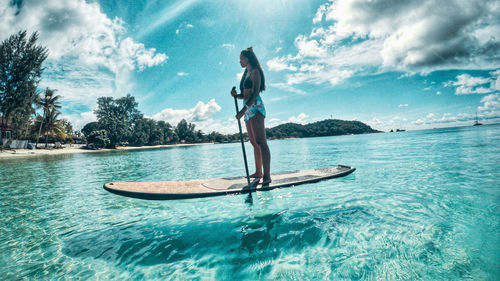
(254, 62)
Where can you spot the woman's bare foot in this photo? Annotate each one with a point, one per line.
(256, 175)
(266, 181)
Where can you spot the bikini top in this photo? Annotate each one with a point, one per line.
(247, 84)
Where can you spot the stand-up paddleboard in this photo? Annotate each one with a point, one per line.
(169, 190)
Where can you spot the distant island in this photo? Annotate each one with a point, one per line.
(328, 127)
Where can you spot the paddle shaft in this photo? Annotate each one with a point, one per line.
(243, 145)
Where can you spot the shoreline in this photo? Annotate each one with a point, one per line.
(16, 153)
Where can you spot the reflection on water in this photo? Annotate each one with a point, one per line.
(244, 242)
(421, 206)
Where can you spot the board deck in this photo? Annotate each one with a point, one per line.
(170, 190)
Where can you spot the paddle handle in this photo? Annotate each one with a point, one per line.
(242, 143)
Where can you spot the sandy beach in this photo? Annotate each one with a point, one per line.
(12, 153)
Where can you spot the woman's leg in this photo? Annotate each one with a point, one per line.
(259, 133)
(256, 151)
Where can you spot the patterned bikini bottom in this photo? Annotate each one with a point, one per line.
(257, 106)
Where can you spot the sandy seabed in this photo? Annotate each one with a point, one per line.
(11, 153)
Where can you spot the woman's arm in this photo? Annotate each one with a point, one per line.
(235, 94)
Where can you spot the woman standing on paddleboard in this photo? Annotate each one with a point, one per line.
(251, 84)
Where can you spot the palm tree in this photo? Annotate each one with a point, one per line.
(53, 126)
(49, 103)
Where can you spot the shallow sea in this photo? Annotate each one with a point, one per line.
(422, 205)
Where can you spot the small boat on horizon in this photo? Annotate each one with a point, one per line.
(476, 123)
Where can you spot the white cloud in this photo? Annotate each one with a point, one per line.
(467, 84)
(287, 87)
(438, 93)
(495, 85)
(135, 55)
(419, 122)
(309, 48)
(415, 36)
(77, 29)
(82, 85)
(333, 76)
(182, 74)
(89, 53)
(183, 27)
(420, 35)
(273, 99)
(432, 120)
(229, 46)
(488, 112)
(404, 75)
(491, 103)
(300, 119)
(199, 113)
(340, 65)
(387, 123)
(320, 13)
(230, 126)
(279, 64)
(374, 122)
(403, 105)
(469, 81)
(239, 76)
(272, 122)
(201, 116)
(80, 120)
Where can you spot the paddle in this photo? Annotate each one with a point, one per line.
(242, 144)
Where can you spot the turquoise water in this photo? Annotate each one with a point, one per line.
(422, 205)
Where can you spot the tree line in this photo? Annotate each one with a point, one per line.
(119, 122)
(21, 60)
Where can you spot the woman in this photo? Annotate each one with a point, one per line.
(251, 84)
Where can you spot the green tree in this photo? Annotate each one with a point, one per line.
(168, 133)
(217, 137)
(155, 132)
(149, 132)
(89, 128)
(67, 130)
(140, 133)
(20, 72)
(22, 118)
(200, 137)
(49, 103)
(99, 138)
(185, 131)
(117, 117)
(53, 126)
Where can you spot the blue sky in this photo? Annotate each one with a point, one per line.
(388, 63)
